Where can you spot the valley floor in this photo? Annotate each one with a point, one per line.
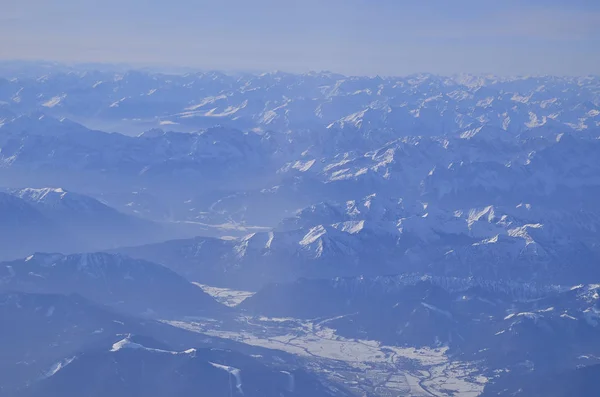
(362, 365)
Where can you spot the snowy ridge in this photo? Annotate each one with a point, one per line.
(127, 343)
(58, 197)
(235, 372)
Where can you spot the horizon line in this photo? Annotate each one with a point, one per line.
(178, 69)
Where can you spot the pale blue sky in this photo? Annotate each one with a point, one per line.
(388, 37)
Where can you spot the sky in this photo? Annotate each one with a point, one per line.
(361, 37)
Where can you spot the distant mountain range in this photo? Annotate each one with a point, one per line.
(418, 104)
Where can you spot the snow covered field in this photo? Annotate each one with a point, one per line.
(226, 296)
(363, 365)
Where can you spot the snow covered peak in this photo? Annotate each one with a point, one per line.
(42, 195)
(60, 199)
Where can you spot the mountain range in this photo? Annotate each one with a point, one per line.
(371, 237)
(417, 235)
(129, 368)
(419, 104)
(128, 285)
(55, 344)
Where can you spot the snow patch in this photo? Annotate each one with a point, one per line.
(235, 372)
(303, 166)
(226, 296)
(351, 227)
(58, 366)
(117, 103)
(436, 309)
(52, 102)
(313, 235)
(50, 311)
(291, 381)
